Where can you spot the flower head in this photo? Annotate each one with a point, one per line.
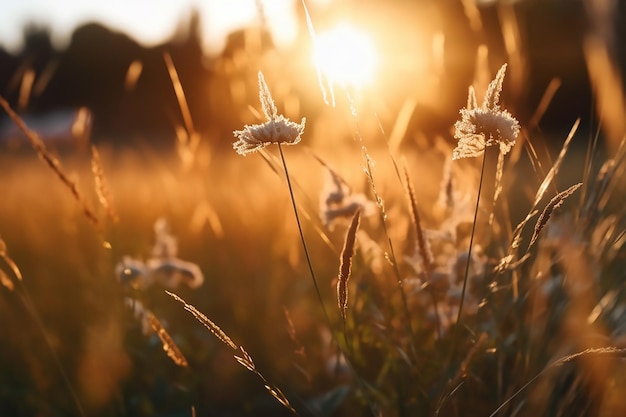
(277, 129)
(339, 202)
(164, 267)
(486, 125)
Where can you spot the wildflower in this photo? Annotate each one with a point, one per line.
(486, 125)
(339, 202)
(163, 268)
(172, 272)
(277, 129)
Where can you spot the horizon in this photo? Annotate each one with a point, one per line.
(149, 26)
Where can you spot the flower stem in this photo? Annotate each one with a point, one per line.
(371, 403)
(471, 243)
(304, 246)
(457, 325)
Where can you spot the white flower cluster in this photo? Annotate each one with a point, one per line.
(486, 125)
(277, 129)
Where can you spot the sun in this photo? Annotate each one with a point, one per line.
(345, 55)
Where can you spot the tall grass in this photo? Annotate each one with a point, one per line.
(451, 301)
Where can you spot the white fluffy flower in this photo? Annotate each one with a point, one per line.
(277, 129)
(486, 125)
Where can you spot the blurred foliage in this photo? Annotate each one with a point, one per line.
(232, 218)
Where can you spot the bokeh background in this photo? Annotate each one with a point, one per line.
(85, 73)
(60, 57)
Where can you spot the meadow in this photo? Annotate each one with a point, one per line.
(349, 274)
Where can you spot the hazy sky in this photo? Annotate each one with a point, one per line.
(149, 21)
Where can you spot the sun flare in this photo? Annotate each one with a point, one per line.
(346, 55)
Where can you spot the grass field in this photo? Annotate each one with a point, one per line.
(71, 278)
(405, 288)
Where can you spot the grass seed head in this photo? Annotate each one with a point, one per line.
(346, 263)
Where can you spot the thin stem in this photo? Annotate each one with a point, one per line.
(345, 335)
(437, 318)
(304, 246)
(471, 243)
(383, 217)
(317, 289)
(465, 277)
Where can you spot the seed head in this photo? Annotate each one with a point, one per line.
(486, 125)
(277, 129)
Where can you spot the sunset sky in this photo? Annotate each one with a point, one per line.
(149, 21)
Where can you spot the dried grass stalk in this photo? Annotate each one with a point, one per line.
(246, 361)
(188, 139)
(607, 86)
(609, 351)
(497, 186)
(180, 93)
(422, 243)
(102, 187)
(5, 257)
(50, 160)
(555, 203)
(267, 102)
(214, 328)
(510, 261)
(291, 330)
(346, 263)
(544, 103)
(280, 397)
(5, 281)
(557, 164)
(601, 191)
(322, 80)
(169, 346)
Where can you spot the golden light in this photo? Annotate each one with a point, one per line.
(345, 55)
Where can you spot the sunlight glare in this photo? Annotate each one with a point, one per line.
(346, 55)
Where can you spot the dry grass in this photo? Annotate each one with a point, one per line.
(253, 274)
(449, 316)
